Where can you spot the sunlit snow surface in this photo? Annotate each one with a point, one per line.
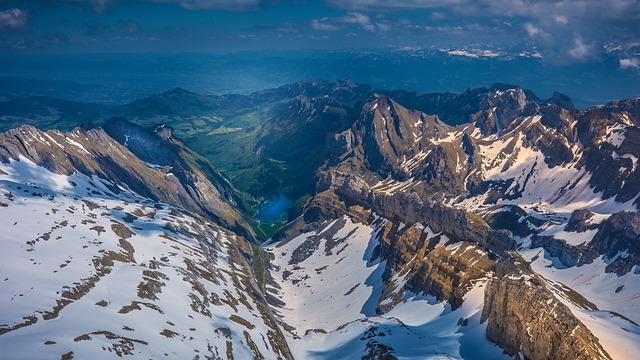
(330, 303)
(553, 193)
(619, 336)
(69, 283)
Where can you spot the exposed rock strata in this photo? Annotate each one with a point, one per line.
(445, 273)
(525, 318)
(458, 224)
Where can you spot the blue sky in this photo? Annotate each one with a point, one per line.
(564, 32)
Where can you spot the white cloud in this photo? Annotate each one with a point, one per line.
(561, 19)
(14, 18)
(382, 27)
(437, 15)
(369, 27)
(581, 51)
(352, 18)
(356, 18)
(531, 29)
(552, 25)
(324, 24)
(631, 63)
(395, 4)
(100, 6)
(463, 53)
(233, 5)
(129, 26)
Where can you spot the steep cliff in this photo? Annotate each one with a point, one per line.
(409, 208)
(526, 319)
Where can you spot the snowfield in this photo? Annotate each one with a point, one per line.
(330, 298)
(88, 273)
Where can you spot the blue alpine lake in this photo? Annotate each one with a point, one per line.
(272, 209)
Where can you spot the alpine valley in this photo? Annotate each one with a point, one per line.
(487, 224)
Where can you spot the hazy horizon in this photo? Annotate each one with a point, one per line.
(120, 78)
(124, 50)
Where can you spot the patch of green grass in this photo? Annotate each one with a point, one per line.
(259, 264)
(296, 208)
(223, 130)
(265, 230)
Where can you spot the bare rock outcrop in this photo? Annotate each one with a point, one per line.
(447, 273)
(408, 207)
(526, 319)
(618, 238)
(619, 235)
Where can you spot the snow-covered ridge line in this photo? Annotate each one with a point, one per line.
(87, 272)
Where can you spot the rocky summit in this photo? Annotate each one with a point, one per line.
(488, 224)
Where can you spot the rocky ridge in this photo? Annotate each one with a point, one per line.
(93, 152)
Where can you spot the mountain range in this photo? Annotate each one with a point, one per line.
(484, 224)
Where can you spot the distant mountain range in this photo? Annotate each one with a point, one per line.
(124, 78)
(484, 224)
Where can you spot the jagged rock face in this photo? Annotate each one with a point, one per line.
(544, 329)
(611, 147)
(389, 132)
(504, 106)
(532, 178)
(66, 154)
(631, 106)
(455, 109)
(440, 271)
(525, 166)
(436, 204)
(388, 141)
(500, 108)
(452, 108)
(457, 224)
(619, 234)
(93, 152)
(145, 143)
(595, 145)
(391, 143)
(212, 193)
(394, 290)
(560, 100)
(443, 272)
(616, 239)
(508, 217)
(553, 135)
(580, 221)
(525, 318)
(569, 255)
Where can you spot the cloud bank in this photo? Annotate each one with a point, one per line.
(13, 18)
(563, 30)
